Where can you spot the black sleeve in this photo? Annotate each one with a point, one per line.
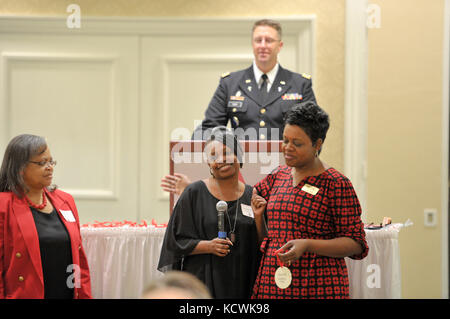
(215, 114)
(181, 235)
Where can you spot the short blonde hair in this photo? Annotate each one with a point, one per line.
(182, 281)
(270, 23)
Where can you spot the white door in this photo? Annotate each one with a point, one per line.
(81, 93)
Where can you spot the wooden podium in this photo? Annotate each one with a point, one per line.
(260, 158)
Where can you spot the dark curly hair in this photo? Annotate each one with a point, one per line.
(310, 118)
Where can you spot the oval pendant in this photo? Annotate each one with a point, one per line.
(283, 277)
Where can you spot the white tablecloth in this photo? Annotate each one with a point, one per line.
(377, 276)
(123, 261)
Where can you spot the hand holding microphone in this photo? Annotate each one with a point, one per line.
(221, 207)
(221, 246)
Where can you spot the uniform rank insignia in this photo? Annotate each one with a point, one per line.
(224, 75)
(292, 96)
(306, 76)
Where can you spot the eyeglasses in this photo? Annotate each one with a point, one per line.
(44, 163)
(266, 40)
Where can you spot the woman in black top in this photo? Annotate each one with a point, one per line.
(41, 252)
(56, 256)
(227, 266)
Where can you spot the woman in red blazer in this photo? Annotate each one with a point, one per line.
(41, 253)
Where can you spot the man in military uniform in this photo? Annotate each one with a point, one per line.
(256, 99)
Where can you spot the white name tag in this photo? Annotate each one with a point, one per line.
(310, 189)
(68, 215)
(247, 211)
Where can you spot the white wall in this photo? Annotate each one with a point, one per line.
(109, 95)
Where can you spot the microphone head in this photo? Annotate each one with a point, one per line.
(221, 206)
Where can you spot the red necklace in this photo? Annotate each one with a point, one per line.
(38, 207)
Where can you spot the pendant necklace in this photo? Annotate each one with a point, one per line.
(283, 275)
(232, 231)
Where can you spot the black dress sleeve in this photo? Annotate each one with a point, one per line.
(181, 236)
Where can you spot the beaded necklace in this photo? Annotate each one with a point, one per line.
(38, 207)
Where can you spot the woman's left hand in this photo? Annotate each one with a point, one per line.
(292, 250)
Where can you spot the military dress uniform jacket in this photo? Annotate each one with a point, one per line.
(238, 99)
(21, 273)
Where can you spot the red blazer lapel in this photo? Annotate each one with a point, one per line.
(27, 226)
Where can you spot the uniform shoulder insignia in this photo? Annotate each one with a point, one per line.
(224, 75)
(306, 76)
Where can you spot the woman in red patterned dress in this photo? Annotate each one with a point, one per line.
(312, 216)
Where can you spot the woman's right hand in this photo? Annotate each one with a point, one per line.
(220, 247)
(258, 204)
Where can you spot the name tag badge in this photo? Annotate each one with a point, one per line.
(247, 211)
(310, 189)
(235, 104)
(68, 215)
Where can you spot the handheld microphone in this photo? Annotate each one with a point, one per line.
(221, 207)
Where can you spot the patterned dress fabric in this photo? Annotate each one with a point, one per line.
(294, 213)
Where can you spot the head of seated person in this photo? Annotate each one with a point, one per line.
(176, 285)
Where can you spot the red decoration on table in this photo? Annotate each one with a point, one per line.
(125, 223)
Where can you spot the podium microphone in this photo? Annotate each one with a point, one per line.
(221, 207)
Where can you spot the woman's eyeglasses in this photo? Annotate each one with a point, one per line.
(44, 163)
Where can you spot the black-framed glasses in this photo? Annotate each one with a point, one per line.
(44, 163)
